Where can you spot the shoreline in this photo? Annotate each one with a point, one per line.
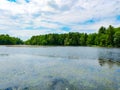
(54, 46)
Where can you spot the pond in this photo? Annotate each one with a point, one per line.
(59, 68)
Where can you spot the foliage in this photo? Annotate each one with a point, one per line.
(7, 40)
(106, 37)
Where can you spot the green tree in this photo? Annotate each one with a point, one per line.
(7, 40)
(110, 36)
(91, 40)
(117, 39)
(104, 37)
(102, 30)
(83, 39)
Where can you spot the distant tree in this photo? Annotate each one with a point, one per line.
(103, 40)
(7, 40)
(83, 39)
(110, 36)
(117, 39)
(72, 38)
(104, 37)
(102, 30)
(91, 40)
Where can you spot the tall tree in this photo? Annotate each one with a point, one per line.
(110, 36)
(117, 39)
(83, 39)
(102, 30)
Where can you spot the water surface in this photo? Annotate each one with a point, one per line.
(59, 68)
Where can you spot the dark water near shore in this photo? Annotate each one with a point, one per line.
(59, 68)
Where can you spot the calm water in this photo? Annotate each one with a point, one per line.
(59, 68)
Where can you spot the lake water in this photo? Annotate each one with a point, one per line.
(59, 68)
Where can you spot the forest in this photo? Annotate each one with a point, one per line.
(7, 40)
(106, 37)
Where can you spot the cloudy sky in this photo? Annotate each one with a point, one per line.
(24, 18)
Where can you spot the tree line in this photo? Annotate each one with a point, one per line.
(7, 40)
(106, 37)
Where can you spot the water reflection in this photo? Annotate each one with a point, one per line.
(4, 54)
(109, 57)
(59, 68)
(57, 83)
(109, 54)
(110, 63)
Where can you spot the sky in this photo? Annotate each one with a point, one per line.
(25, 18)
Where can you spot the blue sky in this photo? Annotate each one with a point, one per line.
(24, 18)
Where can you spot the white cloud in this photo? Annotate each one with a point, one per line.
(44, 16)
